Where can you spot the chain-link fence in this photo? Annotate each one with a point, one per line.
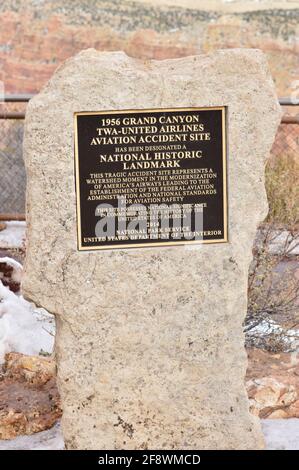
(12, 170)
(287, 138)
(282, 173)
(13, 177)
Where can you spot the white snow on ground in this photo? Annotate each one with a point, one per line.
(280, 434)
(23, 327)
(13, 236)
(267, 328)
(281, 239)
(45, 440)
(278, 242)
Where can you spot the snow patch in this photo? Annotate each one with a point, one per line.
(23, 327)
(258, 333)
(13, 236)
(46, 440)
(17, 272)
(281, 434)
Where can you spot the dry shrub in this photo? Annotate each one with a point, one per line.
(273, 287)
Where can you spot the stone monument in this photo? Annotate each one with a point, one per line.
(149, 346)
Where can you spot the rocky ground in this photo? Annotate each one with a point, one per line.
(29, 400)
(272, 383)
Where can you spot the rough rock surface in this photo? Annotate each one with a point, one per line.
(29, 400)
(149, 342)
(279, 434)
(273, 384)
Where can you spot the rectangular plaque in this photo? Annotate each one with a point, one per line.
(150, 177)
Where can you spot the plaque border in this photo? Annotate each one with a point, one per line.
(158, 244)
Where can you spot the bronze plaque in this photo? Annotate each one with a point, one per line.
(150, 177)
